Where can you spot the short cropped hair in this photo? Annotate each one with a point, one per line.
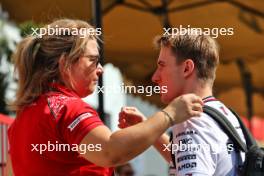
(201, 49)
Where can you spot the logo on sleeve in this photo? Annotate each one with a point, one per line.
(186, 157)
(187, 166)
(78, 120)
(188, 132)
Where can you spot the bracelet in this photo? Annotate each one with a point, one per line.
(170, 118)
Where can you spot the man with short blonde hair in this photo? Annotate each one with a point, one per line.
(187, 64)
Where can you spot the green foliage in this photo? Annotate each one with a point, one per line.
(26, 27)
(3, 86)
(25, 30)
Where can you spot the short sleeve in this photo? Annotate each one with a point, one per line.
(77, 120)
(195, 147)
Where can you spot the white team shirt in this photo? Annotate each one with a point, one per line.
(208, 150)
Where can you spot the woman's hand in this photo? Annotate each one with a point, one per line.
(179, 110)
(184, 107)
(129, 116)
(119, 147)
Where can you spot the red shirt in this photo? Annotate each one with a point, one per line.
(57, 117)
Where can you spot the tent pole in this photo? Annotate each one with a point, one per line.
(97, 21)
(246, 77)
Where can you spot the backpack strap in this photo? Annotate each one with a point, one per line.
(226, 126)
(248, 136)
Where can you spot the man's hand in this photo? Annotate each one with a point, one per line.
(129, 116)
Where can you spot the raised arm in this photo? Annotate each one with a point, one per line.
(123, 145)
(130, 116)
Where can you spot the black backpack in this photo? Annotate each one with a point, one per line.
(254, 160)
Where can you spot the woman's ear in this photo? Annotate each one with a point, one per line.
(63, 71)
(188, 67)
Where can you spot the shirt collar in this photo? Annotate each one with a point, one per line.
(209, 98)
(63, 89)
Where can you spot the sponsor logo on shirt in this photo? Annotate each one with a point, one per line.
(186, 157)
(78, 120)
(187, 165)
(190, 132)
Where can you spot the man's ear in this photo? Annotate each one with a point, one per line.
(188, 68)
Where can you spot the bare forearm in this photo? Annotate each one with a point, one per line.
(137, 138)
(123, 145)
(161, 146)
